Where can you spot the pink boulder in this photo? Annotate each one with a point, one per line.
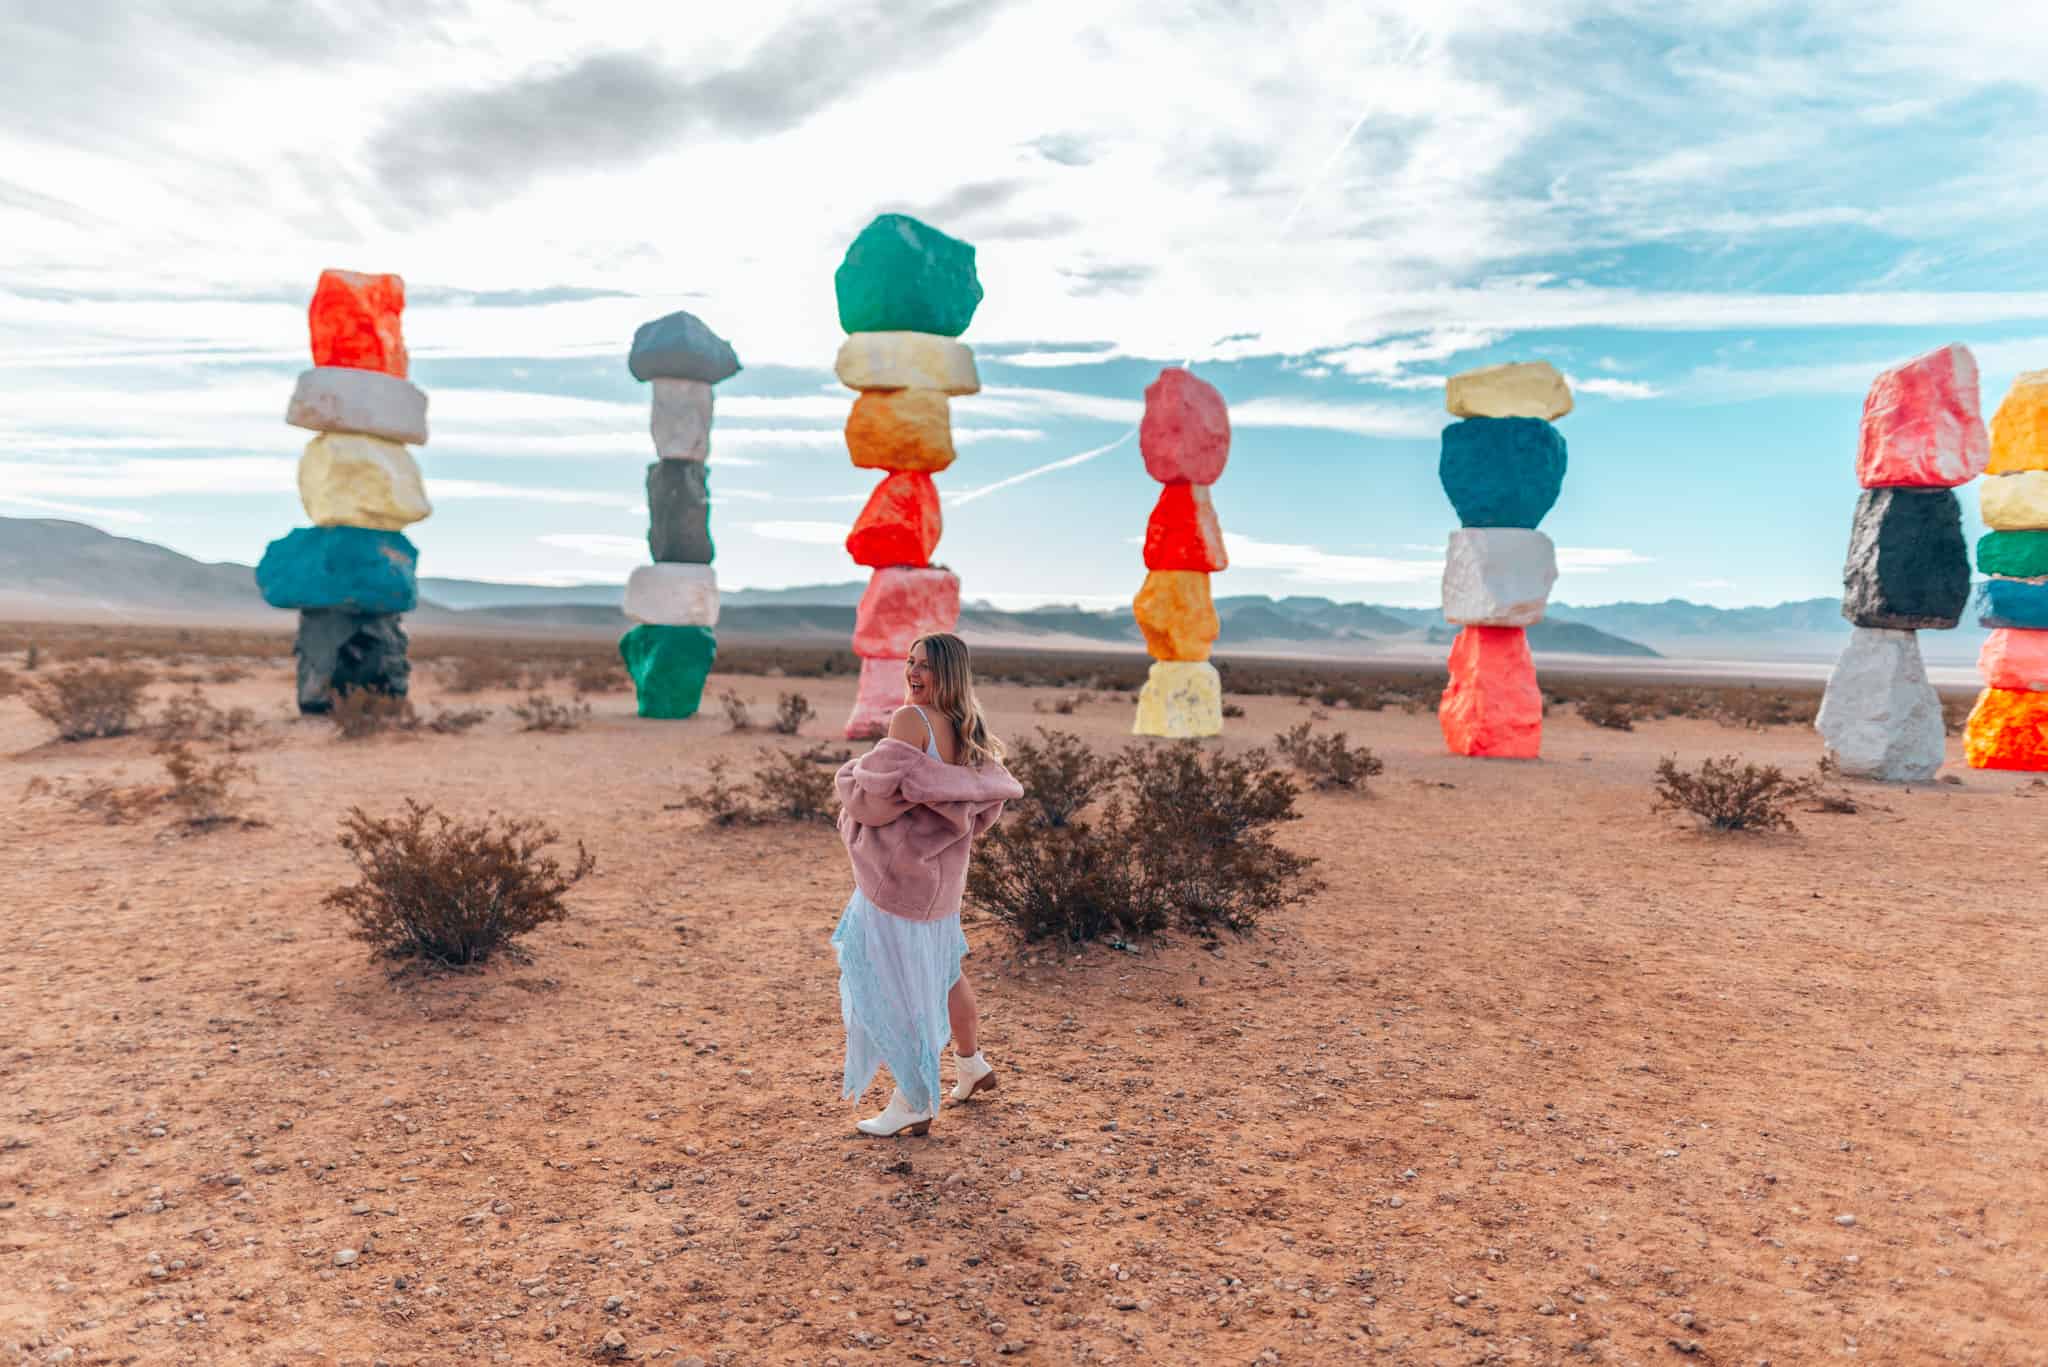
(1492, 707)
(1185, 434)
(1921, 424)
(2015, 659)
(900, 604)
(881, 693)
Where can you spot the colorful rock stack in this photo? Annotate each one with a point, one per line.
(1908, 568)
(1502, 465)
(673, 603)
(1185, 440)
(352, 573)
(2008, 728)
(906, 293)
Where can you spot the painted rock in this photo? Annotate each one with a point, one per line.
(900, 605)
(1908, 565)
(355, 321)
(901, 275)
(906, 360)
(2021, 603)
(339, 652)
(673, 595)
(2016, 502)
(881, 693)
(1522, 389)
(1182, 699)
(1492, 707)
(1921, 425)
(1183, 533)
(901, 429)
(679, 513)
(2013, 555)
(900, 524)
(1176, 614)
(2007, 730)
(1880, 717)
(353, 569)
(681, 421)
(2015, 660)
(332, 398)
(1185, 433)
(669, 666)
(681, 347)
(2019, 429)
(1498, 576)
(1502, 472)
(347, 479)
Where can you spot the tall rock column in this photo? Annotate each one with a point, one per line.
(1908, 568)
(906, 292)
(673, 603)
(352, 573)
(2008, 728)
(1502, 466)
(1185, 440)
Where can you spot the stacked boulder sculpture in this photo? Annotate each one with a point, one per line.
(673, 603)
(1503, 466)
(352, 573)
(2008, 728)
(906, 292)
(1908, 568)
(1185, 440)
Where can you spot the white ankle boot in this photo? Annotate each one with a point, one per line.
(976, 1075)
(897, 1118)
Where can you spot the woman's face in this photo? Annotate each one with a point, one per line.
(917, 675)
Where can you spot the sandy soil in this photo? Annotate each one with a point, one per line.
(1541, 1077)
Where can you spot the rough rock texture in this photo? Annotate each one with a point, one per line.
(2019, 429)
(1922, 428)
(1492, 707)
(1502, 472)
(332, 398)
(1181, 699)
(900, 524)
(900, 605)
(1520, 389)
(1880, 717)
(1908, 565)
(1185, 433)
(680, 347)
(347, 479)
(901, 275)
(2007, 729)
(1183, 533)
(2015, 660)
(352, 569)
(1498, 576)
(679, 512)
(2013, 555)
(901, 429)
(669, 666)
(681, 420)
(2021, 603)
(1177, 615)
(342, 651)
(355, 320)
(673, 595)
(881, 693)
(907, 360)
(2015, 503)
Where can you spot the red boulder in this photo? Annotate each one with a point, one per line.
(1185, 434)
(1183, 533)
(900, 524)
(1493, 706)
(355, 321)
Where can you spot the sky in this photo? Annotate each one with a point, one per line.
(1720, 220)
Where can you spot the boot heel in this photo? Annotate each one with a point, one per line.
(920, 1129)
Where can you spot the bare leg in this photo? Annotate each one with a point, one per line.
(966, 1018)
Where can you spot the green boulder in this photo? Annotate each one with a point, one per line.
(669, 666)
(901, 275)
(2013, 555)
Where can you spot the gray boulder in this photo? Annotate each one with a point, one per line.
(679, 513)
(338, 651)
(1880, 717)
(680, 347)
(1908, 565)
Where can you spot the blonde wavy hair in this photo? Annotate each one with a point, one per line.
(953, 694)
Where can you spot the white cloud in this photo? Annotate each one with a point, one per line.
(1611, 388)
(1362, 419)
(1002, 401)
(601, 545)
(45, 505)
(804, 533)
(1386, 360)
(1313, 565)
(1596, 559)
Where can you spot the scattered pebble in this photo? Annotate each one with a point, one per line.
(343, 1257)
(1845, 1221)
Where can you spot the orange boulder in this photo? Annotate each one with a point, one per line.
(2008, 729)
(1493, 706)
(901, 429)
(355, 322)
(900, 524)
(1183, 533)
(1176, 614)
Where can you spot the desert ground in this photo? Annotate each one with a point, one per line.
(1541, 1076)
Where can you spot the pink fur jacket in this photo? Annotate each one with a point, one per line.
(909, 820)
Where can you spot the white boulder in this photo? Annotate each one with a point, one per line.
(1522, 389)
(1498, 576)
(1880, 717)
(333, 398)
(673, 595)
(682, 419)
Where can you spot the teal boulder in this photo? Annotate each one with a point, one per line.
(669, 666)
(681, 347)
(1502, 472)
(2013, 555)
(2012, 603)
(343, 569)
(901, 275)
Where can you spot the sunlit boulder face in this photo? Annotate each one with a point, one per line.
(1181, 700)
(1922, 427)
(1492, 707)
(900, 275)
(1881, 718)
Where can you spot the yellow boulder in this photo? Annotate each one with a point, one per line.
(1176, 614)
(1524, 389)
(347, 479)
(2015, 503)
(1181, 699)
(2019, 429)
(901, 429)
(906, 360)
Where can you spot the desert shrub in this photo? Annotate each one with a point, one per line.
(190, 716)
(451, 892)
(1954, 713)
(479, 673)
(1730, 795)
(100, 798)
(227, 673)
(1605, 712)
(1757, 708)
(599, 676)
(788, 785)
(737, 712)
(541, 713)
(722, 801)
(824, 752)
(32, 658)
(1827, 792)
(792, 710)
(1328, 761)
(1060, 775)
(1065, 706)
(1063, 882)
(1231, 709)
(359, 713)
(88, 701)
(203, 793)
(453, 721)
(9, 683)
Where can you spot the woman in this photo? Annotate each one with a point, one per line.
(910, 810)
